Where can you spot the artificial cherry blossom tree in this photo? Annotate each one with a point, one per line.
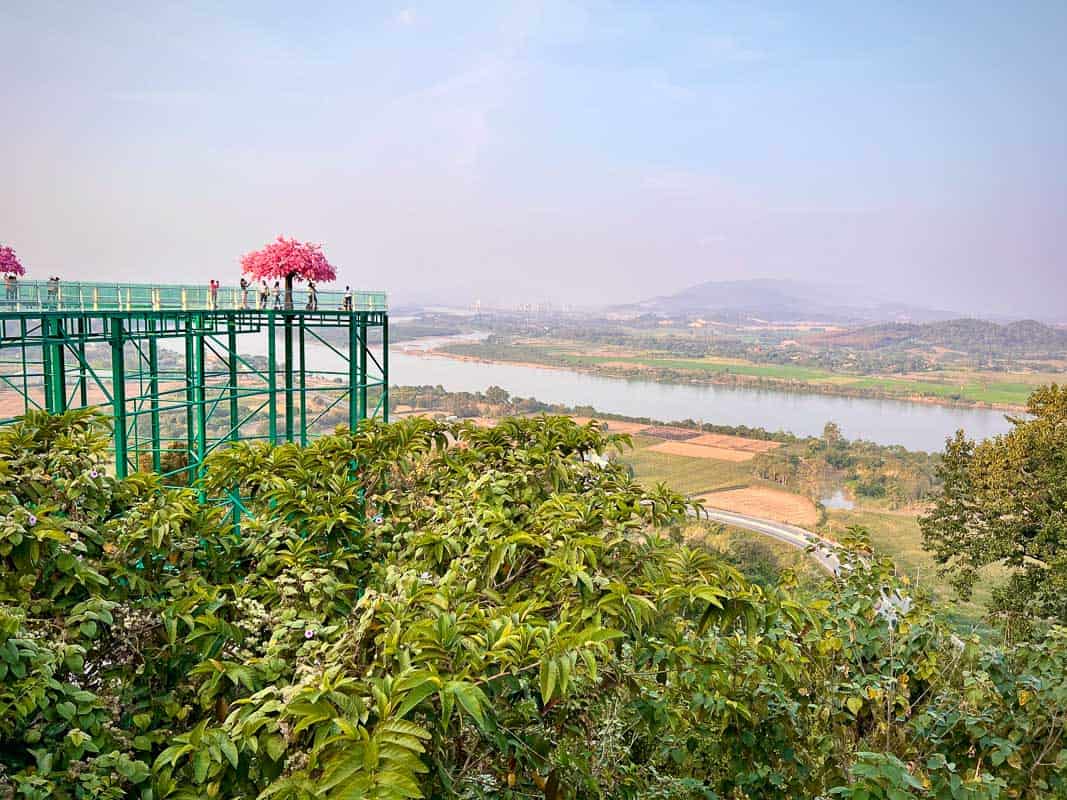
(9, 262)
(288, 259)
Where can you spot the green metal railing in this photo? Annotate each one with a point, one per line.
(84, 296)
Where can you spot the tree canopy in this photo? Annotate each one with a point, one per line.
(288, 260)
(432, 610)
(1004, 501)
(9, 262)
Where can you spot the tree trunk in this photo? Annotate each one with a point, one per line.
(289, 292)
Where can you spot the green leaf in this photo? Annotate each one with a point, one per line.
(469, 698)
(548, 679)
(88, 629)
(228, 749)
(275, 746)
(414, 697)
(66, 710)
(201, 762)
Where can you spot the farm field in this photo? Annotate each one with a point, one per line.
(766, 502)
(727, 483)
(1007, 389)
(975, 387)
(683, 474)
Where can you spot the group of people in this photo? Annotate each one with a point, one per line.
(11, 289)
(266, 292)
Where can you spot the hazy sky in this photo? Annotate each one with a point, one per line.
(585, 153)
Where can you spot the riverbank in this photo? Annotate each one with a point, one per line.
(716, 373)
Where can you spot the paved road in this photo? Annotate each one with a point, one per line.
(823, 551)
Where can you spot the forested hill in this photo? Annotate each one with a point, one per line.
(967, 335)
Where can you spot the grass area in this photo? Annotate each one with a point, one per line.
(1007, 393)
(898, 536)
(970, 386)
(685, 475)
(974, 389)
(783, 371)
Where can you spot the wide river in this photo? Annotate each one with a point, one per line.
(917, 426)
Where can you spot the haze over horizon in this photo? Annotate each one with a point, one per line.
(582, 154)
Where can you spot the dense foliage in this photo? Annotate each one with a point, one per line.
(419, 610)
(1005, 501)
(872, 471)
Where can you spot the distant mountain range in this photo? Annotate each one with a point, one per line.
(784, 301)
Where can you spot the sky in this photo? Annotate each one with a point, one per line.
(546, 152)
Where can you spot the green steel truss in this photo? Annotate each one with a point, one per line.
(182, 373)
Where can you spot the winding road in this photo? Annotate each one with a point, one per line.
(822, 548)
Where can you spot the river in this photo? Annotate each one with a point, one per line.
(917, 426)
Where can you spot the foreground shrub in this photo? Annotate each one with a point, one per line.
(431, 610)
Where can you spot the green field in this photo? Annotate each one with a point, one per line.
(974, 389)
(959, 386)
(686, 475)
(1007, 393)
(780, 371)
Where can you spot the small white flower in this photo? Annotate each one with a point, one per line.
(892, 607)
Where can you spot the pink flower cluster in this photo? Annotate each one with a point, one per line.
(288, 258)
(9, 262)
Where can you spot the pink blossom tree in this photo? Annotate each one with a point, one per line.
(291, 260)
(9, 262)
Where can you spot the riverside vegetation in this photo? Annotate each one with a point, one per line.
(436, 610)
(957, 362)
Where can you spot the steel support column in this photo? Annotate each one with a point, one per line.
(190, 401)
(153, 393)
(118, 394)
(385, 368)
(353, 375)
(303, 390)
(363, 367)
(231, 361)
(46, 366)
(200, 368)
(272, 381)
(289, 422)
(83, 385)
